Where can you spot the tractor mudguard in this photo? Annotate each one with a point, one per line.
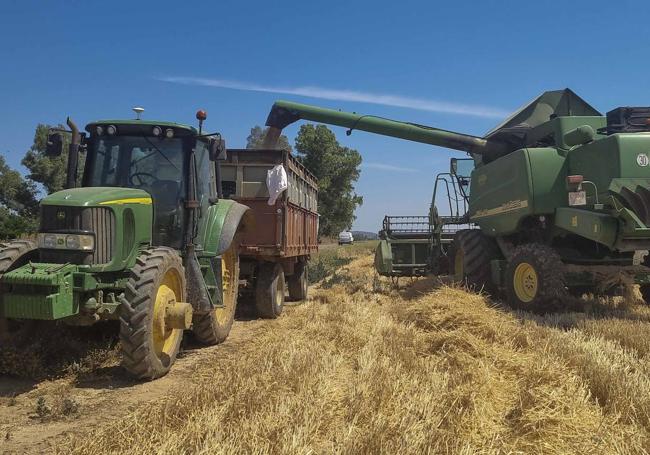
(203, 267)
(239, 219)
(225, 219)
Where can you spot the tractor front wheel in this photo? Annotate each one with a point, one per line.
(270, 290)
(535, 278)
(213, 327)
(150, 333)
(14, 254)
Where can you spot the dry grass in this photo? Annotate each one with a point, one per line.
(423, 370)
(55, 351)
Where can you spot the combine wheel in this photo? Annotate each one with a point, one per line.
(153, 313)
(269, 291)
(471, 253)
(645, 288)
(14, 254)
(214, 327)
(645, 293)
(535, 278)
(299, 282)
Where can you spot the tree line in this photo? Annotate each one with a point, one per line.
(337, 169)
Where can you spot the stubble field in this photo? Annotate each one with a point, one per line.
(363, 367)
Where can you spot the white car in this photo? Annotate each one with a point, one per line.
(346, 237)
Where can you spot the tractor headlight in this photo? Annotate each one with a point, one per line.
(66, 242)
(47, 241)
(72, 242)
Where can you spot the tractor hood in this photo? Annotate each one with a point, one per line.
(94, 196)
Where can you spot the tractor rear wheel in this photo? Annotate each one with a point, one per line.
(213, 327)
(535, 278)
(14, 254)
(270, 290)
(299, 282)
(149, 337)
(470, 254)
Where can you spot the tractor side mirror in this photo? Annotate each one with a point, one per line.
(54, 145)
(217, 149)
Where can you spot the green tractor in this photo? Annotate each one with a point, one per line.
(145, 239)
(558, 201)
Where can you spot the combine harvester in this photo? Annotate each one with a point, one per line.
(558, 200)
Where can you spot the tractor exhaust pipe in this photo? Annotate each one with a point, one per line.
(73, 155)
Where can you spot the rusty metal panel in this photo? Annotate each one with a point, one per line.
(290, 227)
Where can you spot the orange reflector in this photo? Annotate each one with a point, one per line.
(201, 115)
(575, 179)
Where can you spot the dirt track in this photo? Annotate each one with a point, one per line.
(366, 368)
(102, 396)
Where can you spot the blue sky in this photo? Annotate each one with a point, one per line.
(455, 65)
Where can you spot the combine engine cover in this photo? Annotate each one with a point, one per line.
(628, 120)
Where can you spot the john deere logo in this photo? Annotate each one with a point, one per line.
(642, 160)
(60, 215)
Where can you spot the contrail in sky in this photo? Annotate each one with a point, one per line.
(346, 95)
(387, 167)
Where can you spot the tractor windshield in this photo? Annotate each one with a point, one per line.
(136, 162)
(152, 164)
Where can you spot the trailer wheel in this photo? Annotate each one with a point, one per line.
(470, 254)
(15, 254)
(535, 278)
(270, 290)
(150, 340)
(214, 327)
(299, 282)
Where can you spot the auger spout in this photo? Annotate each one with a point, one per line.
(284, 113)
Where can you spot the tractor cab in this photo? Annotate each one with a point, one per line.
(154, 157)
(168, 166)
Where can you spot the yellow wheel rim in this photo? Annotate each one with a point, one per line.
(525, 282)
(230, 284)
(459, 265)
(169, 292)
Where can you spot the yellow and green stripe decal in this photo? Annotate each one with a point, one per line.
(131, 200)
(503, 208)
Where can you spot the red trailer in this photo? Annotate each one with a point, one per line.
(274, 254)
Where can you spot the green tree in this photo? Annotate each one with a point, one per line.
(49, 172)
(18, 203)
(337, 169)
(256, 139)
